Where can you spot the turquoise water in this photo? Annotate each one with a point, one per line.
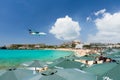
(16, 57)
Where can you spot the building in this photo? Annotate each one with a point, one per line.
(79, 46)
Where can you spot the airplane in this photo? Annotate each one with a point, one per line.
(36, 33)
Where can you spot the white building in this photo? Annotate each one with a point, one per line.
(79, 46)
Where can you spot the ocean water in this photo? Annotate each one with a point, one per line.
(15, 57)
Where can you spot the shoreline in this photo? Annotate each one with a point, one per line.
(78, 52)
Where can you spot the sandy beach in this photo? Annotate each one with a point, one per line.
(80, 52)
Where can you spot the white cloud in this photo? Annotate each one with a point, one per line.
(108, 28)
(100, 12)
(88, 19)
(66, 29)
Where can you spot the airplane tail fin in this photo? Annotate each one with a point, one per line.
(30, 31)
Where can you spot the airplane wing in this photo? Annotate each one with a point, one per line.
(42, 33)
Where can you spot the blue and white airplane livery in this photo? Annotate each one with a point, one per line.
(36, 33)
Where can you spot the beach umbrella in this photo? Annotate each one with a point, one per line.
(56, 61)
(94, 55)
(59, 60)
(88, 58)
(71, 57)
(106, 71)
(15, 74)
(114, 56)
(109, 52)
(35, 63)
(66, 63)
(64, 74)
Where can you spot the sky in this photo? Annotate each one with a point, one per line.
(61, 20)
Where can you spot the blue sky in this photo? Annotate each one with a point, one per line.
(16, 16)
